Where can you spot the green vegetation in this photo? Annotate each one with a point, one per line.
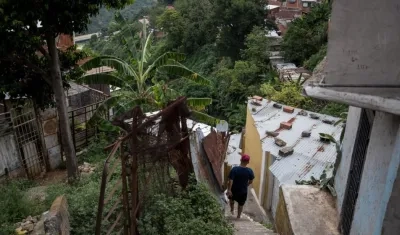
(143, 80)
(14, 206)
(194, 209)
(191, 212)
(101, 22)
(235, 59)
(308, 36)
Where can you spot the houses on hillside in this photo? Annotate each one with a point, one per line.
(285, 146)
(284, 12)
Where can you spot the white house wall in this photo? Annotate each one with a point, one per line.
(373, 193)
(342, 173)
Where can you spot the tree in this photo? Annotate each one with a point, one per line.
(28, 27)
(144, 83)
(172, 23)
(257, 48)
(307, 35)
(236, 19)
(190, 25)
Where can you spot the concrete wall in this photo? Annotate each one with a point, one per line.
(378, 175)
(49, 122)
(342, 173)
(391, 223)
(305, 209)
(9, 156)
(252, 147)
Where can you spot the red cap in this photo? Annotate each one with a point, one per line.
(245, 158)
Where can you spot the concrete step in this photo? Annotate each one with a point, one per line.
(246, 226)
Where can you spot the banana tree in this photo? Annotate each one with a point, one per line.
(138, 82)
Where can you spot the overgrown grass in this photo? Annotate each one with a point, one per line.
(82, 200)
(15, 206)
(269, 226)
(82, 196)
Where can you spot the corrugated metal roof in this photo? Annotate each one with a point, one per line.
(192, 125)
(310, 156)
(233, 151)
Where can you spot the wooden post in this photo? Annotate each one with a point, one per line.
(227, 169)
(73, 128)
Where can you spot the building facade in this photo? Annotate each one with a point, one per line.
(362, 70)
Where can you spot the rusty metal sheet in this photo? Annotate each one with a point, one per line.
(215, 146)
(202, 166)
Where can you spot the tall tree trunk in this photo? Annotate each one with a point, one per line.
(61, 103)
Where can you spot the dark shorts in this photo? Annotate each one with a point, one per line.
(239, 198)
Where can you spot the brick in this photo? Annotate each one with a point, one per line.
(280, 142)
(305, 134)
(288, 109)
(276, 105)
(286, 151)
(314, 116)
(271, 133)
(327, 121)
(286, 125)
(258, 98)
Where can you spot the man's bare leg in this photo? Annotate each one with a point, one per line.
(240, 209)
(232, 204)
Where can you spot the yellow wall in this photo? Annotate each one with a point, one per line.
(253, 147)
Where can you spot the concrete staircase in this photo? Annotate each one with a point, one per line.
(246, 226)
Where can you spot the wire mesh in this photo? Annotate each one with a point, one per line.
(154, 157)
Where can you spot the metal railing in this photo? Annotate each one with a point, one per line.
(82, 131)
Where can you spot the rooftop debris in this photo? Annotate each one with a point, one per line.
(280, 142)
(314, 116)
(286, 125)
(288, 109)
(328, 121)
(305, 134)
(286, 151)
(272, 133)
(278, 106)
(303, 113)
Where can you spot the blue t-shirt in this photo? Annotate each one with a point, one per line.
(240, 177)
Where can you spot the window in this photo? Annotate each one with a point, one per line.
(305, 4)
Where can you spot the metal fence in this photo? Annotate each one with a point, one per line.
(29, 140)
(354, 179)
(82, 132)
(83, 108)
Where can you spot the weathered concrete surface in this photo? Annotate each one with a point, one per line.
(39, 227)
(56, 221)
(246, 225)
(306, 210)
(379, 173)
(253, 209)
(391, 223)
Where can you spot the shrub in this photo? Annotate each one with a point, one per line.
(194, 211)
(82, 198)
